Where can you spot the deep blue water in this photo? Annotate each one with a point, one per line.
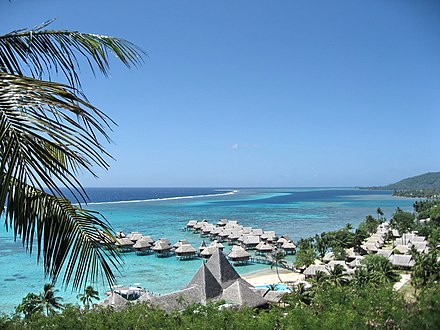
(162, 212)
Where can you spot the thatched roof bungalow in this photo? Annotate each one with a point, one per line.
(185, 251)
(238, 255)
(162, 249)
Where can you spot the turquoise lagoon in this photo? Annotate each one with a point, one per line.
(298, 212)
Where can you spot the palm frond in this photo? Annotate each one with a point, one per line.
(39, 52)
(48, 133)
(66, 235)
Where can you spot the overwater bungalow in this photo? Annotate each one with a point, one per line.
(185, 252)
(281, 241)
(190, 225)
(289, 248)
(207, 252)
(162, 249)
(206, 230)
(233, 237)
(222, 222)
(223, 235)
(142, 247)
(198, 226)
(180, 243)
(249, 242)
(269, 236)
(238, 255)
(215, 232)
(124, 244)
(263, 248)
(134, 236)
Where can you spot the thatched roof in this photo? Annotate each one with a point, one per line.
(140, 244)
(385, 253)
(191, 223)
(222, 269)
(289, 246)
(240, 292)
(161, 246)
(148, 239)
(134, 236)
(238, 252)
(257, 232)
(281, 241)
(264, 247)
(208, 251)
(185, 248)
(333, 263)
(207, 283)
(216, 230)
(164, 239)
(124, 242)
(370, 247)
(313, 269)
(402, 260)
(420, 246)
(180, 242)
(114, 300)
(177, 300)
(251, 240)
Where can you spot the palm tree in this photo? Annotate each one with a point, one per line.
(88, 296)
(426, 270)
(278, 260)
(379, 213)
(48, 133)
(48, 301)
(381, 269)
(336, 276)
(361, 277)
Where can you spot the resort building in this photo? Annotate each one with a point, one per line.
(215, 280)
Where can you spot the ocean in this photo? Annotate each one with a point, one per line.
(163, 212)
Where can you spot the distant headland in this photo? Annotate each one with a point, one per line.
(424, 186)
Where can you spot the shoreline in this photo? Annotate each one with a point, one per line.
(269, 276)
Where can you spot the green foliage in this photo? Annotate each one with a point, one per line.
(278, 260)
(29, 306)
(305, 257)
(46, 302)
(335, 307)
(88, 296)
(402, 221)
(380, 269)
(426, 270)
(49, 133)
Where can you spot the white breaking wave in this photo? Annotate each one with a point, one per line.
(165, 198)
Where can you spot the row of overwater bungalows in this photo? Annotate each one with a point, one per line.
(229, 231)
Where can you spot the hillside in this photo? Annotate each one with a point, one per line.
(428, 181)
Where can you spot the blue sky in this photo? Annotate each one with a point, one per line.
(262, 93)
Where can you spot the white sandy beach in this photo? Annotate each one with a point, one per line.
(269, 276)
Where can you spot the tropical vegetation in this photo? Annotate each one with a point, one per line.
(49, 132)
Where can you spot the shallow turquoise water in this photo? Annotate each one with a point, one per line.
(297, 212)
